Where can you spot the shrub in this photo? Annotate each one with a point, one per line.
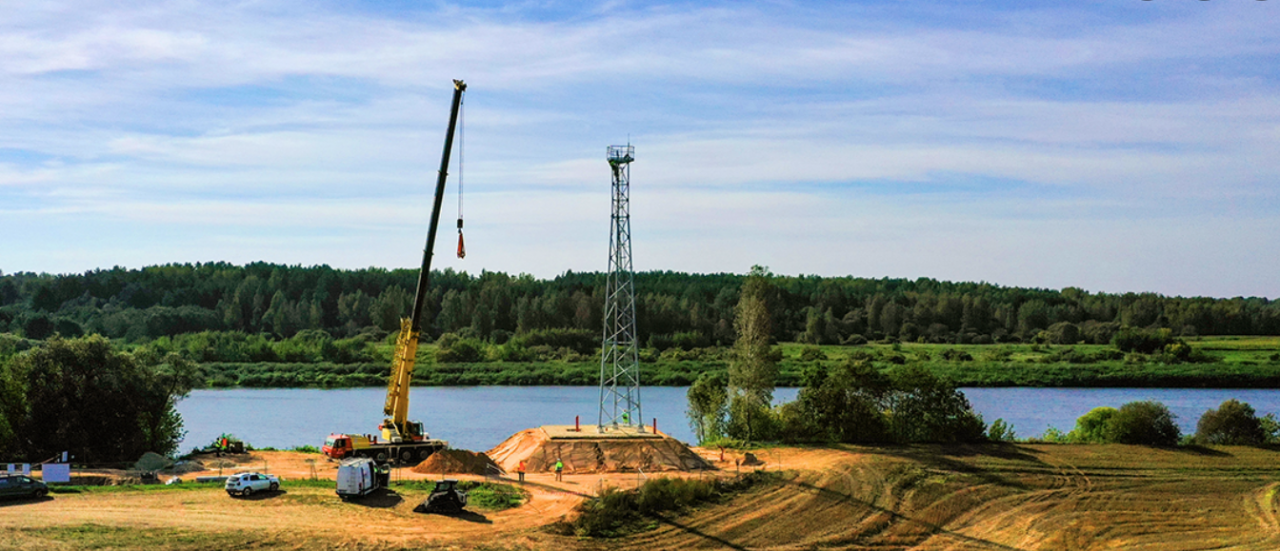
(1001, 431)
(1270, 428)
(996, 355)
(660, 342)
(862, 356)
(1234, 422)
(461, 351)
(688, 340)
(1055, 436)
(928, 409)
(750, 420)
(1092, 427)
(844, 404)
(1179, 351)
(447, 340)
(1148, 423)
(1095, 332)
(1063, 332)
(512, 352)
(617, 512)
(582, 341)
(812, 354)
(500, 336)
(1130, 339)
(855, 340)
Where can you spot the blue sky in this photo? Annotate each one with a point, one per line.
(1114, 146)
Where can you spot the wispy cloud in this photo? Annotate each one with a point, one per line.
(868, 138)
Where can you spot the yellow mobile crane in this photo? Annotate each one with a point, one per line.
(402, 439)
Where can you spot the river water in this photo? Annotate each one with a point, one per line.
(477, 418)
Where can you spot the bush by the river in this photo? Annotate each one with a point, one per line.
(855, 402)
(1234, 422)
(1150, 423)
(1145, 422)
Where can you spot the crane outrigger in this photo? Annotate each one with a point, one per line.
(402, 439)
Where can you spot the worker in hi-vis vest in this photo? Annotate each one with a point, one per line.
(559, 469)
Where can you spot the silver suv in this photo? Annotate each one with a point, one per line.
(245, 484)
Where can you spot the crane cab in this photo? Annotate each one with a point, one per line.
(409, 431)
(339, 446)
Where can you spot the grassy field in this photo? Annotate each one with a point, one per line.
(1233, 362)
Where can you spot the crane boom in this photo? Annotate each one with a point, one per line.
(397, 428)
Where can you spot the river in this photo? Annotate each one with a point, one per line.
(477, 418)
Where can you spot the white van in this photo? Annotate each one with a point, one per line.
(360, 476)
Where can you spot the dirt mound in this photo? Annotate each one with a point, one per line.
(595, 455)
(458, 462)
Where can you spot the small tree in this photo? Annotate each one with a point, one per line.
(1149, 423)
(708, 406)
(924, 408)
(844, 404)
(1001, 431)
(97, 403)
(753, 369)
(1234, 422)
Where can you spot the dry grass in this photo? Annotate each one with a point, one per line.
(1003, 497)
(911, 497)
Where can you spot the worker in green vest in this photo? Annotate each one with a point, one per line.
(559, 470)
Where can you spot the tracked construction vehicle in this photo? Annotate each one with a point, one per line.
(400, 439)
(446, 498)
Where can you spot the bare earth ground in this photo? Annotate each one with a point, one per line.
(914, 497)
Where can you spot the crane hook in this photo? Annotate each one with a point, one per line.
(462, 250)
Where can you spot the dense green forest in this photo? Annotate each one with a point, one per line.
(673, 309)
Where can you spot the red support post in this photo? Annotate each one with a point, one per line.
(577, 424)
(655, 425)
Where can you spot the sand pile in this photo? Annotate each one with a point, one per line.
(591, 455)
(458, 462)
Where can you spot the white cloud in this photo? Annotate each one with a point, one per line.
(831, 139)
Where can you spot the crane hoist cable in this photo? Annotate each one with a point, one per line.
(462, 142)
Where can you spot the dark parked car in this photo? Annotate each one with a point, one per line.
(16, 485)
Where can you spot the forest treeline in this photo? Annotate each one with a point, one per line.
(673, 309)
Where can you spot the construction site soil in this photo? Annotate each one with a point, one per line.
(458, 462)
(585, 453)
(997, 496)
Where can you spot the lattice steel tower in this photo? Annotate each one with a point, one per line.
(619, 354)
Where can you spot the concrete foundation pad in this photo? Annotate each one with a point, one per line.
(592, 432)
